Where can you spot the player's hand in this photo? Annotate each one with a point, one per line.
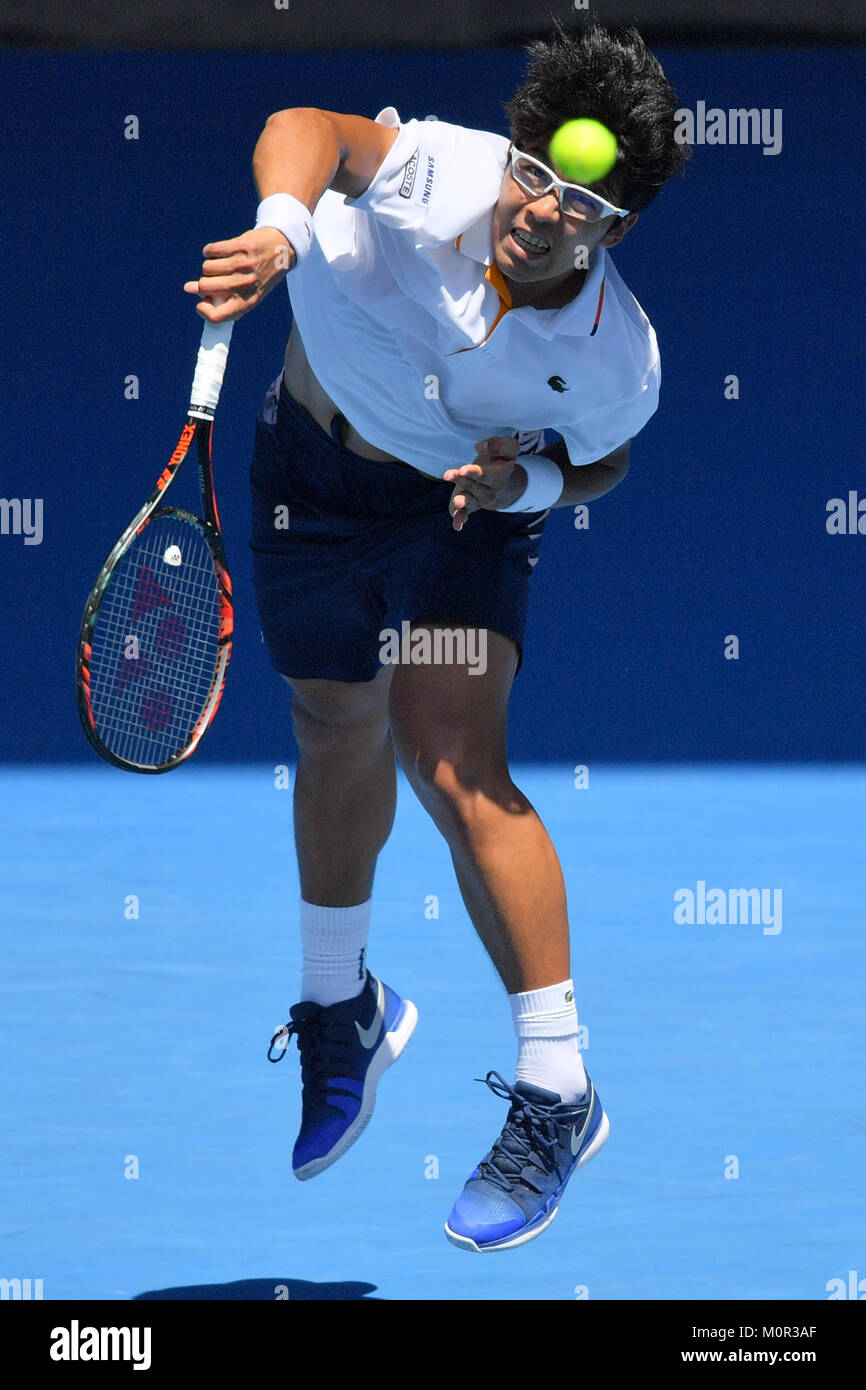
(237, 274)
(486, 484)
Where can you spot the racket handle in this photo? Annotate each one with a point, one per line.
(210, 367)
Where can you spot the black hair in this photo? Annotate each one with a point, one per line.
(612, 77)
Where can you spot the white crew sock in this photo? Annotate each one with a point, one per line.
(334, 941)
(545, 1021)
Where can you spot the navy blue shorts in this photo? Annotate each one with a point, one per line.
(344, 547)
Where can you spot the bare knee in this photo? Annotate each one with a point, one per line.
(334, 718)
(465, 787)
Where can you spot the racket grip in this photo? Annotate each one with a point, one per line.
(210, 366)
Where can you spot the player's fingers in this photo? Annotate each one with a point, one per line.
(226, 248)
(208, 312)
(226, 284)
(220, 312)
(494, 442)
(480, 490)
(239, 300)
(222, 308)
(207, 289)
(221, 315)
(228, 265)
(463, 502)
(503, 446)
(461, 516)
(466, 470)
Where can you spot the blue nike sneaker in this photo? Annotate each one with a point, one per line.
(514, 1193)
(344, 1050)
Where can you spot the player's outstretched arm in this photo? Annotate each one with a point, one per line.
(302, 151)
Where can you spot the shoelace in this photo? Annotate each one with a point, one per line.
(528, 1141)
(323, 1055)
(283, 1036)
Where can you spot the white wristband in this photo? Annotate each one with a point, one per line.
(544, 485)
(289, 215)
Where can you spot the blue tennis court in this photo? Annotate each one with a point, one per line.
(155, 951)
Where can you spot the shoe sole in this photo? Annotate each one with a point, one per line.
(522, 1237)
(385, 1055)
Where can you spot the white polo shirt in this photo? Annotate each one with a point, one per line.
(407, 323)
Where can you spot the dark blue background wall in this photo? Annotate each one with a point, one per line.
(750, 265)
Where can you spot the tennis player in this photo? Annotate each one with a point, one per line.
(464, 357)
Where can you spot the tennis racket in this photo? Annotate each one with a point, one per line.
(156, 635)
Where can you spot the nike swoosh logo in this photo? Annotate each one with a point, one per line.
(575, 1141)
(369, 1035)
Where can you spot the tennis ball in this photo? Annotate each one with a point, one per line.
(584, 150)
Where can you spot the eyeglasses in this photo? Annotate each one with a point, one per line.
(575, 201)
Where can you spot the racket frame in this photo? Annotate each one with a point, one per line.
(197, 431)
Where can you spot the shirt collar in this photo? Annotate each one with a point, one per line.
(580, 317)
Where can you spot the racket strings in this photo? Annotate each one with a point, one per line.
(155, 644)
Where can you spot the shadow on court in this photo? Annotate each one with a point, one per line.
(264, 1291)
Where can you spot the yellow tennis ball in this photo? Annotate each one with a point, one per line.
(583, 150)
